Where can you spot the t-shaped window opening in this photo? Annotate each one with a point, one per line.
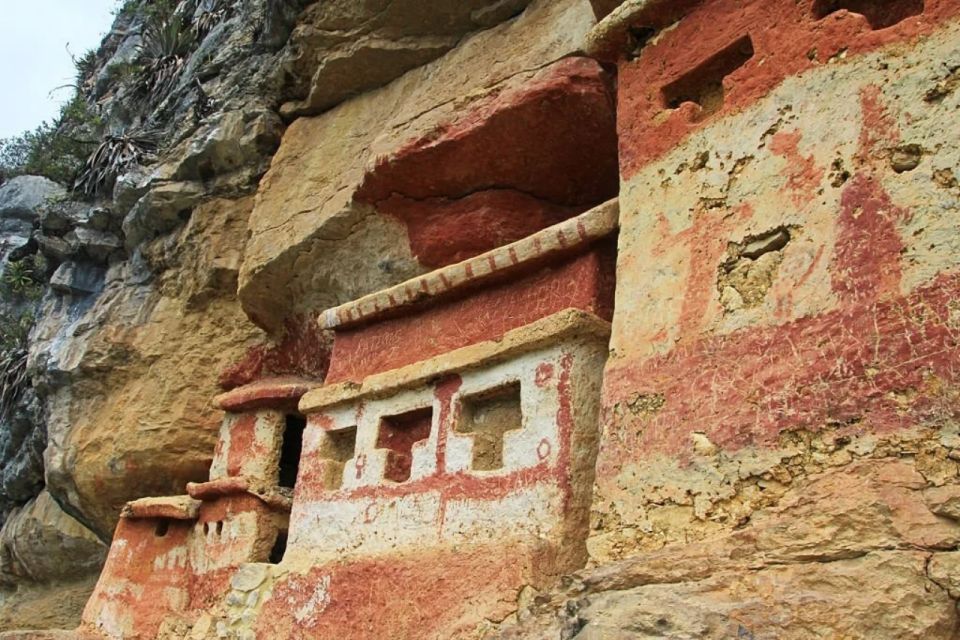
(398, 434)
(488, 416)
(290, 450)
(703, 84)
(337, 447)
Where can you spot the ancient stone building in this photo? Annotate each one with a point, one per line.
(582, 320)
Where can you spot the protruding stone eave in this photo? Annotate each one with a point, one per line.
(166, 508)
(272, 496)
(609, 40)
(267, 393)
(554, 241)
(565, 325)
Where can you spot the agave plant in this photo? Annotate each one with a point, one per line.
(114, 156)
(165, 47)
(13, 379)
(20, 279)
(13, 360)
(209, 14)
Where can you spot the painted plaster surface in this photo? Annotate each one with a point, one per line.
(684, 365)
(583, 282)
(310, 237)
(787, 277)
(360, 522)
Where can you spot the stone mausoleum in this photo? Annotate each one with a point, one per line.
(625, 320)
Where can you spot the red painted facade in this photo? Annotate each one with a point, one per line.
(584, 282)
(786, 39)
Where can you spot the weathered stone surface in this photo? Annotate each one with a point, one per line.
(21, 202)
(852, 552)
(342, 48)
(41, 543)
(22, 197)
(95, 245)
(22, 441)
(77, 278)
(55, 606)
(160, 211)
(129, 390)
(309, 236)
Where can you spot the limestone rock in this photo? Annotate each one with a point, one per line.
(309, 235)
(64, 215)
(342, 48)
(77, 278)
(55, 607)
(41, 543)
(129, 373)
(22, 441)
(880, 595)
(22, 197)
(21, 200)
(160, 210)
(845, 554)
(95, 245)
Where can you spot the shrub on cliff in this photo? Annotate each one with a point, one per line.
(55, 149)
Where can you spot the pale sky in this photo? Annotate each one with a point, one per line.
(33, 57)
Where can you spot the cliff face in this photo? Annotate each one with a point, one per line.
(591, 319)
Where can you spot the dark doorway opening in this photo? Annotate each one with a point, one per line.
(279, 548)
(290, 450)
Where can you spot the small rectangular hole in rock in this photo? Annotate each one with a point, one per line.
(879, 13)
(398, 434)
(488, 416)
(290, 450)
(162, 527)
(336, 449)
(703, 85)
(279, 548)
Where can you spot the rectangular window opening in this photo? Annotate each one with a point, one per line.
(703, 85)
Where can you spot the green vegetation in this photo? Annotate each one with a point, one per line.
(114, 155)
(22, 281)
(48, 150)
(72, 149)
(167, 41)
(13, 361)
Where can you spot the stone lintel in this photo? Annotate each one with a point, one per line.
(563, 325)
(269, 393)
(611, 38)
(556, 241)
(273, 497)
(168, 508)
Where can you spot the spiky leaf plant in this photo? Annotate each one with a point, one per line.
(21, 279)
(115, 155)
(210, 14)
(13, 361)
(165, 47)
